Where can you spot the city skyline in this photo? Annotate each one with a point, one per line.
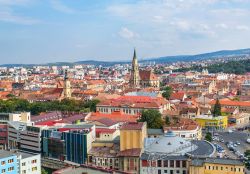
(35, 31)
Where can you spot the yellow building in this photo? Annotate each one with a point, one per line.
(216, 166)
(212, 123)
(132, 137)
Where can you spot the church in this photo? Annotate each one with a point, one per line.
(142, 78)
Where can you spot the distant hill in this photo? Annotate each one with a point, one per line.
(166, 59)
(212, 55)
(235, 67)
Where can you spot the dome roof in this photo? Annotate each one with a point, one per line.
(169, 144)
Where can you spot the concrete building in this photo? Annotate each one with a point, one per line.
(133, 105)
(24, 137)
(132, 137)
(245, 88)
(216, 166)
(19, 162)
(3, 135)
(19, 116)
(210, 122)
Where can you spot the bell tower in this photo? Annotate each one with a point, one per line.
(67, 86)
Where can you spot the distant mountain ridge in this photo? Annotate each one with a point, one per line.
(166, 59)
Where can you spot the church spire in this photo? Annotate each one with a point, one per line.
(134, 57)
(135, 78)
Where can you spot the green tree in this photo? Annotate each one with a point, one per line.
(43, 171)
(10, 96)
(167, 91)
(247, 155)
(153, 119)
(167, 120)
(208, 136)
(91, 104)
(217, 108)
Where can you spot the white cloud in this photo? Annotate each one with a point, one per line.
(7, 14)
(127, 34)
(242, 27)
(222, 26)
(59, 6)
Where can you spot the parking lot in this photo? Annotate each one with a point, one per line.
(234, 137)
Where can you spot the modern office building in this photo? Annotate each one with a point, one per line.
(70, 143)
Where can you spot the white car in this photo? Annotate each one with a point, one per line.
(248, 140)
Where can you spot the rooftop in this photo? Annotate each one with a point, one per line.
(201, 161)
(132, 126)
(6, 153)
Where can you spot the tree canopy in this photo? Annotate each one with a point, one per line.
(153, 119)
(208, 136)
(217, 108)
(167, 91)
(15, 104)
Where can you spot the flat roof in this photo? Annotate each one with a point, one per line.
(6, 153)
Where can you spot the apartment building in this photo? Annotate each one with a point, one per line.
(19, 162)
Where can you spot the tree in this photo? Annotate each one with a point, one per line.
(208, 136)
(44, 171)
(91, 104)
(167, 120)
(247, 155)
(217, 108)
(167, 91)
(153, 119)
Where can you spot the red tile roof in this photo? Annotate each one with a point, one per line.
(130, 152)
(104, 130)
(115, 116)
(231, 103)
(132, 126)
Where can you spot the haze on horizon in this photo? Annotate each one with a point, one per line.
(35, 31)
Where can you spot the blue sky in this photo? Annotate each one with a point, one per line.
(41, 31)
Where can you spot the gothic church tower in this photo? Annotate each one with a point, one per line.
(135, 78)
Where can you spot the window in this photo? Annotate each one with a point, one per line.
(3, 170)
(3, 163)
(159, 163)
(184, 172)
(184, 164)
(165, 171)
(23, 164)
(10, 161)
(221, 168)
(178, 163)
(177, 171)
(216, 167)
(34, 168)
(159, 171)
(171, 163)
(24, 171)
(171, 172)
(165, 163)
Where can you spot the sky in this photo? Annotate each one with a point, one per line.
(43, 31)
